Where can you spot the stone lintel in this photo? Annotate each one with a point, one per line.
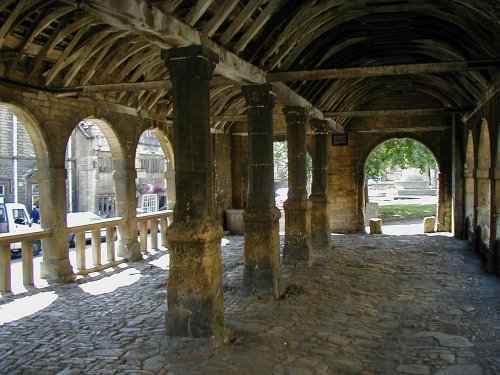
(319, 126)
(259, 95)
(262, 272)
(296, 115)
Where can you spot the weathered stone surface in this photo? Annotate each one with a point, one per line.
(429, 224)
(461, 370)
(414, 369)
(444, 339)
(376, 226)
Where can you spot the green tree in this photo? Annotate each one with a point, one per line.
(403, 153)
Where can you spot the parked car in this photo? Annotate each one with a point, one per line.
(82, 218)
(14, 219)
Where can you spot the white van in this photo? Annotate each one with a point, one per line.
(14, 219)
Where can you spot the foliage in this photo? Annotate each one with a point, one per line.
(280, 154)
(403, 153)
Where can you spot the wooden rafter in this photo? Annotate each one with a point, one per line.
(399, 112)
(211, 27)
(10, 21)
(197, 11)
(385, 70)
(256, 26)
(239, 21)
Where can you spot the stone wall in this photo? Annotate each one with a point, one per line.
(222, 180)
(343, 181)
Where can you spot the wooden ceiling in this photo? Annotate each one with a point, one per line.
(373, 54)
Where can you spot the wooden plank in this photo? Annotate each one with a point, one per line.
(239, 21)
(211, 27)
(256, 26)
(398, 129)
(385, 70)
(197, 11)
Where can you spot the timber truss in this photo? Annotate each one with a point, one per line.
(340, 59)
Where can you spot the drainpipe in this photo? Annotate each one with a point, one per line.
(14, 158)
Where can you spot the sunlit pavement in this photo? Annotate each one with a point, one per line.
(374, 304)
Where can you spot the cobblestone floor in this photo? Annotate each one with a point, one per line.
(373, 305)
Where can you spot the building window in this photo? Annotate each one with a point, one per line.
(152, 165)
(106, 164)
(150, 202)
(2, 189)
(34, 189)
(106, 205)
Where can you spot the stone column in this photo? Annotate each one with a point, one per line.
(55, 265)
(128, 246)
(169, 176)
(320, 225)
(494, 262)
(297, 208)
(194, 289)
(262, 272)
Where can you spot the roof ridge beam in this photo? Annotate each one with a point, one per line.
(385, 70)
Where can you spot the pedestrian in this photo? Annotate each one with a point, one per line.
(35, 214)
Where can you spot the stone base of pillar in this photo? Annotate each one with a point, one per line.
(297, 245)
(57, 270)
(262, 272)
(129, 250)
(194, 288)
(320, 226)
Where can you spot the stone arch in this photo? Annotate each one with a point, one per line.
(35, 131)
(470, 193)
(367, 152)
(483, 223)
(89, 159)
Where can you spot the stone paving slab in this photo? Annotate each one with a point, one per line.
(371, 305)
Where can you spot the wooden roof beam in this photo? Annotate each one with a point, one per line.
(385, 70)
(166, 31)
(399, 112)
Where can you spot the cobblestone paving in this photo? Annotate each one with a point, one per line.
(372, 305)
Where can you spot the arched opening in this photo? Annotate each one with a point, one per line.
(154, 169)
(469, 188)
(93, 153)
(280, 159)
(401, 185)
(484, 187)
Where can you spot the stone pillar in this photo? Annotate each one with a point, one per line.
(297, 208)
(320, 224)
(494, 261)
(194, 289)
(458, 191)
(128, 246)
(262, 272)
(55, 265)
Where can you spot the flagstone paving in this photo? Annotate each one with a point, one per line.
(372, 305)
